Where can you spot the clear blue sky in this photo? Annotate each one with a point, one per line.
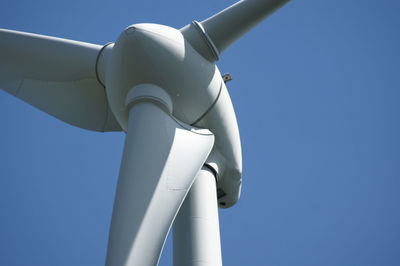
(316, 90)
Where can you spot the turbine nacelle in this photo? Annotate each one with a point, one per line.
(157, 63)
(160, 55)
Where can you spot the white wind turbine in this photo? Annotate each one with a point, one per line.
(182, 154)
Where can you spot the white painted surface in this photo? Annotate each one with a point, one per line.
(57, 76)
(196, 227)
(160, 161)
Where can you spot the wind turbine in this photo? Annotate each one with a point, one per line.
(182, 154)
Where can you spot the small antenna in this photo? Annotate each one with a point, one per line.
(227, 77)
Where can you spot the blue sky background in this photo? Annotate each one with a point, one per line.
(316, 91)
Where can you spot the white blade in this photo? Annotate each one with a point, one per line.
(224, 28)
(58, 76)
(160, 161)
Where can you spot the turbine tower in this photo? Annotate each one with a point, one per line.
(182, 155)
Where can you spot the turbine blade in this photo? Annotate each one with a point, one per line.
(57, 76)
(160, 161)
(221, 30)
